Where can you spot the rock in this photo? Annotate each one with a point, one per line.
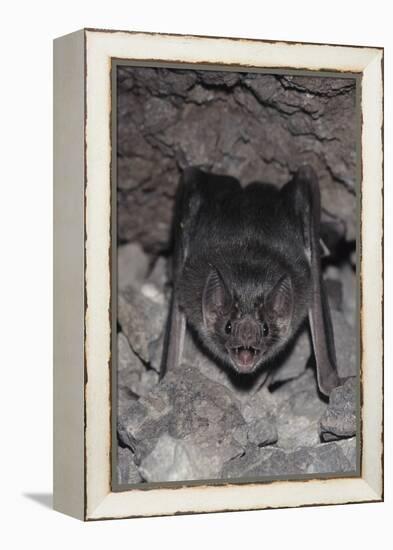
(258, 413)
(348, 278)
(345, 344)
(339, 420)
(298, 411)
(204, 421)
(349, 448)
(129, 370)
(258, 405)
(218, 78)
(168, 461)
(158, 276)
(327, 458)
(127, 471)
(199, 402)
(345, 275)
(294, 361)
(262, 431)
(209, 448)
(257, 463)
(189, 408)
(335, 293)
(141, 425)
(142, 316)
(155, 351)
(196, 457)
(268, 462)
(133, 378)
(253, 126)
(132, 266)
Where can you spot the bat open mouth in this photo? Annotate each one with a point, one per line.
(245, 358)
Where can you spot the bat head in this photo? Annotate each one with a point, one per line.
(246, 326)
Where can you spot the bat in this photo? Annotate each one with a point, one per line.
(247, 273)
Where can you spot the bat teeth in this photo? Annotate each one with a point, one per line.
(253, 350)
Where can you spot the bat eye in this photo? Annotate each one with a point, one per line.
(265, 329)
(228, 327)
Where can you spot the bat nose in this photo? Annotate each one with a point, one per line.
(247, 332)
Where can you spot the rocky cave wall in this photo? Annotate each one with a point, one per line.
(200, 422)
(248, 125)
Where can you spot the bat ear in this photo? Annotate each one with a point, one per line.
(216, 298)
(280, 303)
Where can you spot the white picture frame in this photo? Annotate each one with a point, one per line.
(82, 258)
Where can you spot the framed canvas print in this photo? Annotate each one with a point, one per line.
(218, 274)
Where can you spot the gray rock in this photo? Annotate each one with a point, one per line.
(257, 462)
(196, 457)
(141, 425)
(168, 461)
(263, 129)
(158, 276)
(218, 78)
(129, 369)
(259, 405)
(306, 381)
(326, 458)
(189, 408)
(350, 450)
(200, 95)
(258, 413)
(127, 471)
(298, 411)
(142, 315)
(335, 293)
(345, 343)
(132, 266)
(133, 378)
(199, 402)
(294, 362)
(205, 422)
(262, 431)
(209, 449)
(348, 278)
(345, 275)
(339, 420)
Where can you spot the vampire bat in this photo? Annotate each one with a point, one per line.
(246, 272)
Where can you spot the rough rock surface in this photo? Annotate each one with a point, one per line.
(202, 422)
(132, 266)
(295, 360)
(345, 342)
(299, 408)
(190, 416)
(142, 315)
(325, 458)
(339, 420)
(127, 471)
(133, 378)
(248, 125)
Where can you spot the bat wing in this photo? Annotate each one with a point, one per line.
(305, 197)
(197, 189)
